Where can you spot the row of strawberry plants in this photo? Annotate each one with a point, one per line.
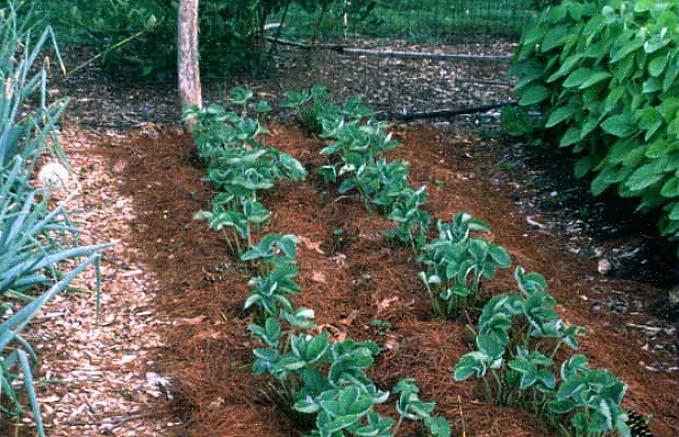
(322, 383)
(518, 334)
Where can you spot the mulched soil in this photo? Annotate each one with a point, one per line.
(103, 100)
(349, 282)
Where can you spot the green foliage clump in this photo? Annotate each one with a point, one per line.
(519, 334)
(604, 73)
(239, 167)
(518, 338)
(457, 262)
(516, 122)
(358, 164)
(138, 37)
(315, 378)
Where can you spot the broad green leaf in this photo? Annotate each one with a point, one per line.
(559, 115)
(534, 95)
(594, 79)
(621, 125)
(554, 38)
(671, 188)
(657, 65)
(572, 136)
(577, 78)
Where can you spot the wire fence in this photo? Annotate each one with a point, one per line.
(413, 56)
(415, 21)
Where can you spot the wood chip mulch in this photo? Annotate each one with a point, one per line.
(97, 376)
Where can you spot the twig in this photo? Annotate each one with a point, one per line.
(106, 51)
(459, 404)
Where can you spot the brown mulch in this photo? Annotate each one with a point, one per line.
(349, 282)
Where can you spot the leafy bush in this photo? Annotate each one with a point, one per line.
(138, 37)
(34, 240)
(604, 72)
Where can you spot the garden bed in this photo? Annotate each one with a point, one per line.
(352, 278)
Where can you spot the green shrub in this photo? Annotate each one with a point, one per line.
(137, 37)
(604, 73)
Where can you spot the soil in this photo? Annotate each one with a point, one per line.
(353, 280)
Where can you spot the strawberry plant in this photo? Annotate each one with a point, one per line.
(605, 74)
(239, 167)
(328, 380)
(275, 256)
(457, 262)
(325, 381)
(518, 338)
(357, 162)
(412, 222)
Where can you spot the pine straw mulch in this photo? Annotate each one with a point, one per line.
(203, 347)
(348, 281)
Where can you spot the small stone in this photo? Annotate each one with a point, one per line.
(604, 267)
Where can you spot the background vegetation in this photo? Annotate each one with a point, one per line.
(138, 36)
(604, 74)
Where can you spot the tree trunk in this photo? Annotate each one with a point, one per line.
(187, 57)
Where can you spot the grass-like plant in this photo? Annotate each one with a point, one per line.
(34, 240)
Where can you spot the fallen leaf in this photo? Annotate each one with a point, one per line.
(348, 320)
(312, 245)
(319, 277)
(386, 303)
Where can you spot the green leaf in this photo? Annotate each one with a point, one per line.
(500, 256)
(566, 67)
(613, 98)
(650, 121)
(554, 38)
(595, 79)
(572, 136)
(583, 166)
(534, 95)
(438, 426)
(577, 78)
(671, 188)
(559, 115)
(644, 177)
(657, 65)
(621, 125)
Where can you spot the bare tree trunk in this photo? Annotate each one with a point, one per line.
(187, 57)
